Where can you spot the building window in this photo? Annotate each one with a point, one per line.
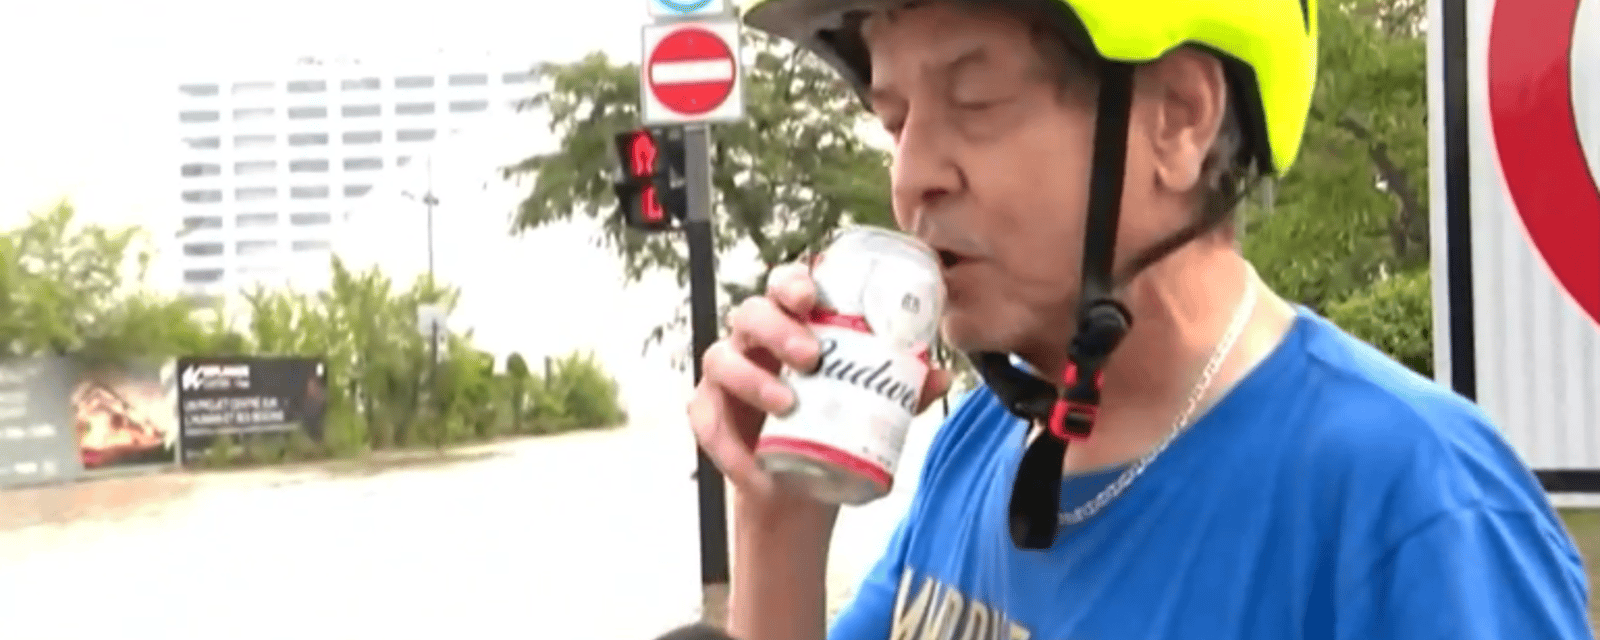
(203, 196)
(362, 164)
(254, 167)
(205, 143)
(247, 114)
(195, 117)
(308, 86)
(253, 141)
(202, 276)
(414, 135)
(311, 245)
(356, 190)
(254, 247)
(359, 110)
(253, 194)
(307, 139)
(307, 113)
(469, 106)
(314, 165)
(360, 84)
(198, 90)
(198, 169)
(469, 79)
(413, 108)
(255, 220)
(310, 219)
(515, 77)
(251, 88)
(202, 249)
(413, 82)
(362, 137)
(197, 223)
(308, 192)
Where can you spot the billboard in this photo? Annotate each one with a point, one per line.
(36, 436)
(245, 396)
(124, 414)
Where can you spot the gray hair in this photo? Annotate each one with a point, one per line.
(1224, 172)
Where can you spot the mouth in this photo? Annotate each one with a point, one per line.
(949, 259)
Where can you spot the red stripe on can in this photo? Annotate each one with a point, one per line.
(824, 453)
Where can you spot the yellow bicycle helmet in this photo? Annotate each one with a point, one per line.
(1272, 42)
(1268, 49)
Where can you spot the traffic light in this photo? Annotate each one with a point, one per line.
(650, 188)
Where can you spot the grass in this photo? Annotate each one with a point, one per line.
(1584, 525)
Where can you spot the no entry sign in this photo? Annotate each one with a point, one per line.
(690, 73)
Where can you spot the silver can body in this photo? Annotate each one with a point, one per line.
(880, 296)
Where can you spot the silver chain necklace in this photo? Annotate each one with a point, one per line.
(1181, 423)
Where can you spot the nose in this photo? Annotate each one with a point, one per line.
(925, 173)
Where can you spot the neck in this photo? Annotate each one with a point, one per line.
(1181, 310)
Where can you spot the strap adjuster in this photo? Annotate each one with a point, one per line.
(1077, 405)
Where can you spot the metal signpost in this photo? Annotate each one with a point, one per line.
(690, 76)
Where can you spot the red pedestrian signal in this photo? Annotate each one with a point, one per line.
(647, 173)
(650, 188)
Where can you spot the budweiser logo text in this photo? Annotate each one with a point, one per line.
(869, 376)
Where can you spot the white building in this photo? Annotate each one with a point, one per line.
(272, 160)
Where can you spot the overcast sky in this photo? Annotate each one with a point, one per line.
(89, 94)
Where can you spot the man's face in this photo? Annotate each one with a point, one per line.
(991, 166)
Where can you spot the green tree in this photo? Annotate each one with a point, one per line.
(1355, 207)
(783, 177)
(1347, 231)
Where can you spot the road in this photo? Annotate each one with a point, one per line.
(582, 536)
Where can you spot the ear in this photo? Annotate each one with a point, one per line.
(1186, 95)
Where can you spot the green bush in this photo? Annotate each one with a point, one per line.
(1394, 314)
(64, 289)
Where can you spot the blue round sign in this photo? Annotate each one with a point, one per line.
(684, 6)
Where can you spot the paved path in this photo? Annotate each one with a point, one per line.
(585, 536)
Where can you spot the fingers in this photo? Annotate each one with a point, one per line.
(733, 373)
(790, 285)
(759, 323)
(708, 416)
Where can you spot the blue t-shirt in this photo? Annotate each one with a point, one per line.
(1332, 494)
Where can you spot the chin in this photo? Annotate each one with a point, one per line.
(970, 330)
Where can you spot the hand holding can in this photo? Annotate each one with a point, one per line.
(741, 385)
(879, 297)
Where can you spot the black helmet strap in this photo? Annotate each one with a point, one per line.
(1068, 410)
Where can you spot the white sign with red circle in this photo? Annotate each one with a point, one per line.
(1528, 148)
(690, 73)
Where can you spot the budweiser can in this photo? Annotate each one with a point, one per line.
(879, 299)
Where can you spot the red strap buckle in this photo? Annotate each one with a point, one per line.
(1073, 419)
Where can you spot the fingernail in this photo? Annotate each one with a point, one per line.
(777, 397)
(800, 349)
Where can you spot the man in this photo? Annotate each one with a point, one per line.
(1228, 465)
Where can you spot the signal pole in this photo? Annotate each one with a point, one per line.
(690, 77)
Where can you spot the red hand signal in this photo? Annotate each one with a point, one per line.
(643, 155)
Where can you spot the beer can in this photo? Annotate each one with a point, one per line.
(880, 296)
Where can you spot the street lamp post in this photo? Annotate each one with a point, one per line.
(429, 200)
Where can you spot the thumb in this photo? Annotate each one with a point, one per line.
(933, 386)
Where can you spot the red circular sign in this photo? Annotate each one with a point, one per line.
(691, 71)
(1536, 133)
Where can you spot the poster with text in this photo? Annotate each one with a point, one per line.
(36, 438)
(247, 396)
